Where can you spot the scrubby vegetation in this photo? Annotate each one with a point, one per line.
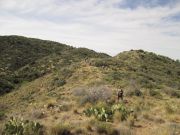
(147, 69)
(74, 90)
(60, 129)
(2, 115)
(25, 59)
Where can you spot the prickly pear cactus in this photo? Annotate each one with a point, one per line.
(20, 127)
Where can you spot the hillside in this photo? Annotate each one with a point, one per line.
(144, 68)
(74, 90)
(25, 59)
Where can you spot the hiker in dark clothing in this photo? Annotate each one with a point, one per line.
(120, 94)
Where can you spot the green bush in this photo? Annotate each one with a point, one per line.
(20, 127)
(5, 86)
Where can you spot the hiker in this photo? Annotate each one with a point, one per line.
(120, 94)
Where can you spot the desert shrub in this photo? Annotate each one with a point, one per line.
(169, 129)
(28, 96)
(3, 106)
(115, 76)
(66, 72)
(33, 74)
(129, 92)
(114, 132)
(5, 86)
(131, 121)
(80, 91)
(117, 117)
(65, 107)
(52, 93)
(37, 114)
(60, 129)
(1, 129)
(89, 128)
(125, 131)
(173, 93)
(169, 109)
(51, 105)
(133, 89)
(22, 127)
(155, 93)
(137, 92)
(146, 83)
(100, 62)
(100, 127)
(61, 76)
(59, 82)
(103, 128)
(79, 131)
(133, 92)
(2, 115)
(159, 120)
(93, 94)
(147, 116)
(174, 128)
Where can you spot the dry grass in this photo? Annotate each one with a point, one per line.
(117, 117)
(170, 129)
(1, 128)
(38, 114)
(152, 112)
(60, 129)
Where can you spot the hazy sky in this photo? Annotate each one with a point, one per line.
(109, 26)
